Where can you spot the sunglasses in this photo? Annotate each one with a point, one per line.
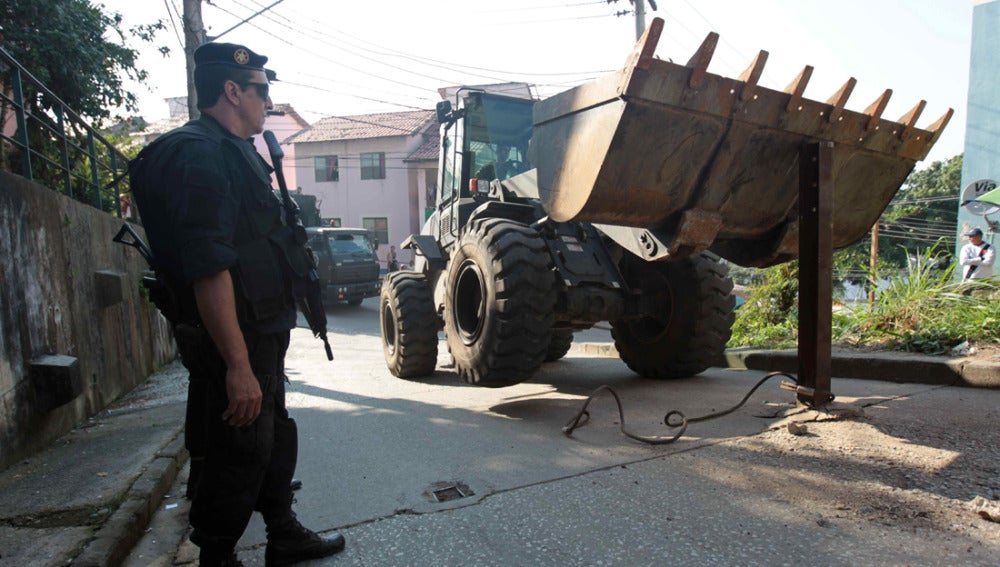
(263, 89)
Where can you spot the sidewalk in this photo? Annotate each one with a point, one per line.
(88, 499)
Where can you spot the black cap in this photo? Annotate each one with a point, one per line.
(974, 232)
(229, 55)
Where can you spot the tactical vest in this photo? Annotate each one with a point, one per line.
(270, 260)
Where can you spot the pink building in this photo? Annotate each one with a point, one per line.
(371, 170)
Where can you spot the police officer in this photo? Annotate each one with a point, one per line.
(220, 242)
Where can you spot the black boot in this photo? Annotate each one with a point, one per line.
(290, 543)
(206, 558)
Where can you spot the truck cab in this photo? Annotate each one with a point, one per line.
(346, 263)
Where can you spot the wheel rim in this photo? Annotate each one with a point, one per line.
(470, 309)
(389, 328)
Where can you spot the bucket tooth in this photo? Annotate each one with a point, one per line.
(700, 60)
(839, 100)
(875, 110)
(641, 56)
(909, 120)
(797, 88)
(751, 76)
(940, 123)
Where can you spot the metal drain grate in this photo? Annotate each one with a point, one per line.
(448, 491)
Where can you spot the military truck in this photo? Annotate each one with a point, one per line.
(618, 201)
(346, 263)
(308, 208)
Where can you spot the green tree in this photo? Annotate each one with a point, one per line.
(921, 216)
(82, 56)
(77, 51)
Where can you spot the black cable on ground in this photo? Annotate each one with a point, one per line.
(582, 417)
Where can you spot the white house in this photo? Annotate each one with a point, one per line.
(371, 171)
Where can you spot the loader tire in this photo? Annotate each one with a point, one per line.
(500, 301)
(409, 325)
(694, 319)
(559, 345)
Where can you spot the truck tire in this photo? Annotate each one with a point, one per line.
(409, 325)
(500, 301)
(695, 306)
(559, 345)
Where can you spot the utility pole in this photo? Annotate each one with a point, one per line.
(640, 18)
(194, 37)
(873, 265)
(639, 8)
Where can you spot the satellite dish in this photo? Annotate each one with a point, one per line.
(973, 191)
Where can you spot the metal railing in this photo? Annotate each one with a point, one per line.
(56, 147)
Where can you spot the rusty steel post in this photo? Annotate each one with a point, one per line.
(815, 272)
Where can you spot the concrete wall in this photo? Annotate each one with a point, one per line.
(53, 301)
(981, 159)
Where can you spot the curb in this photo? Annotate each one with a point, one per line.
(898, 367)
(121, 532)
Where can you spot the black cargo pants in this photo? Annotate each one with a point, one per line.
(245, 468)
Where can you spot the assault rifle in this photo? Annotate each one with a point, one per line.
(308, 290)
(159, 292)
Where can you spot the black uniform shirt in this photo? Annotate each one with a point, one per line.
(196, 195)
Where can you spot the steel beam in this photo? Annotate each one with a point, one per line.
(815, 272)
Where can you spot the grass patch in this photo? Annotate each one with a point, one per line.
(920, 310)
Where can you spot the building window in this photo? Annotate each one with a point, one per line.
(379, 227)
(373, 165)
(327, 168)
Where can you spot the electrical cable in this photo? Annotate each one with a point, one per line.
(582, 417)
(384, 51)
(549, 7)
(173, 24)
(328, 59)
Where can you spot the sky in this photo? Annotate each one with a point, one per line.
(343, 58)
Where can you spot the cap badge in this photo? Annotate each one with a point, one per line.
(241, 56)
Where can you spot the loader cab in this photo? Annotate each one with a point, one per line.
(485, 138)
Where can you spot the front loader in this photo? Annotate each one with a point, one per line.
(618, 201)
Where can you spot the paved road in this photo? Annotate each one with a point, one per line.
(374, 449)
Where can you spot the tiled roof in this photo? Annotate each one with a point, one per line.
(428, 150)
(289, 111)
(364, 126)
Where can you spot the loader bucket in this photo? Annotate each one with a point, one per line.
(706, 161)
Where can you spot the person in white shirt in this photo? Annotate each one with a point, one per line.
(976, 257)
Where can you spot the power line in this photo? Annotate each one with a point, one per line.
(385, 51)
(925, 200)
(173, 24)
(320, 89)
(523, 9)
(355, 53)
(324, 40)
(328, 59)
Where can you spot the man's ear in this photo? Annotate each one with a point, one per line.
(231, 91)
